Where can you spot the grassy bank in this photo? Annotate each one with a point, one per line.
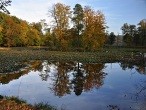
(13, 103)
(12, 59)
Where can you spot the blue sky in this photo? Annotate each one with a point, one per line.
(117, 12)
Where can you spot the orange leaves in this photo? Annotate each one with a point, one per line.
(6, 104)
(94, 32)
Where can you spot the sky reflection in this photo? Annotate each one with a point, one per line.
(74, 85)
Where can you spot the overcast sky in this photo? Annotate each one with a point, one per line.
(117, 12)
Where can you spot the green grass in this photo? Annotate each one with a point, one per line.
(12, 59)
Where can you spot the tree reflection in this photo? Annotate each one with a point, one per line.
(76, 77)
(61, 83)
(6, 78)
(94, 76)
(139, 67)
(113, 107)
(125, 65)
(44, 72)
(78, 80)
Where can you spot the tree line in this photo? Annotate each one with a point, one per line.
(132, 35)
(135, 36)
(80, 28)
(15, 32)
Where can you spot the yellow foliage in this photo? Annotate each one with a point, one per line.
(1, 28)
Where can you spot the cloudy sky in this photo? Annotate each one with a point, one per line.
(117, 12)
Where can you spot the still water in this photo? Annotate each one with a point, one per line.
(79, 86)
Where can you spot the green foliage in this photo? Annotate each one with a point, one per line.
(142, 31)
(133, 36)
(111, 38)
(78, 16)
(127, 39)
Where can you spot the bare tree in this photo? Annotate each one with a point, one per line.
(4, 4)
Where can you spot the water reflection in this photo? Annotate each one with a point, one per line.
(94, 76)
(78, 80)
(140, 67)
(44, 73)
(60, 79)
(6, 78)
(72, 76)
(94, 85)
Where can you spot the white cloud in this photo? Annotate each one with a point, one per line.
(30, 10)
(34, 10)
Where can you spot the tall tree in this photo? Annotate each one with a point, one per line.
(94, 29)
(38, 26)
(128, 29)
(142, 31)
(61, 14)
(132, 29)
(136, 39)
(78, 15)
(127, 38)
(129, 32)
(4, 4)
(125, 28)
(112, 38)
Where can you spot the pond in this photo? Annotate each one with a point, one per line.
(79, 86)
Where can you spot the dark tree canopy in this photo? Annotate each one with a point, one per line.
(4, 4)
(112, 38)
(135, 36)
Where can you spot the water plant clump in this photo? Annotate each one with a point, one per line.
(14, 58)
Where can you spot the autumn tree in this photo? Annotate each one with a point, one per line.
(38, 26)
(94, 29)
(60, 14)
(24, 28)
(9, 32)
(4, 4)
(1, 35)
(16, 32)
(33, 37)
